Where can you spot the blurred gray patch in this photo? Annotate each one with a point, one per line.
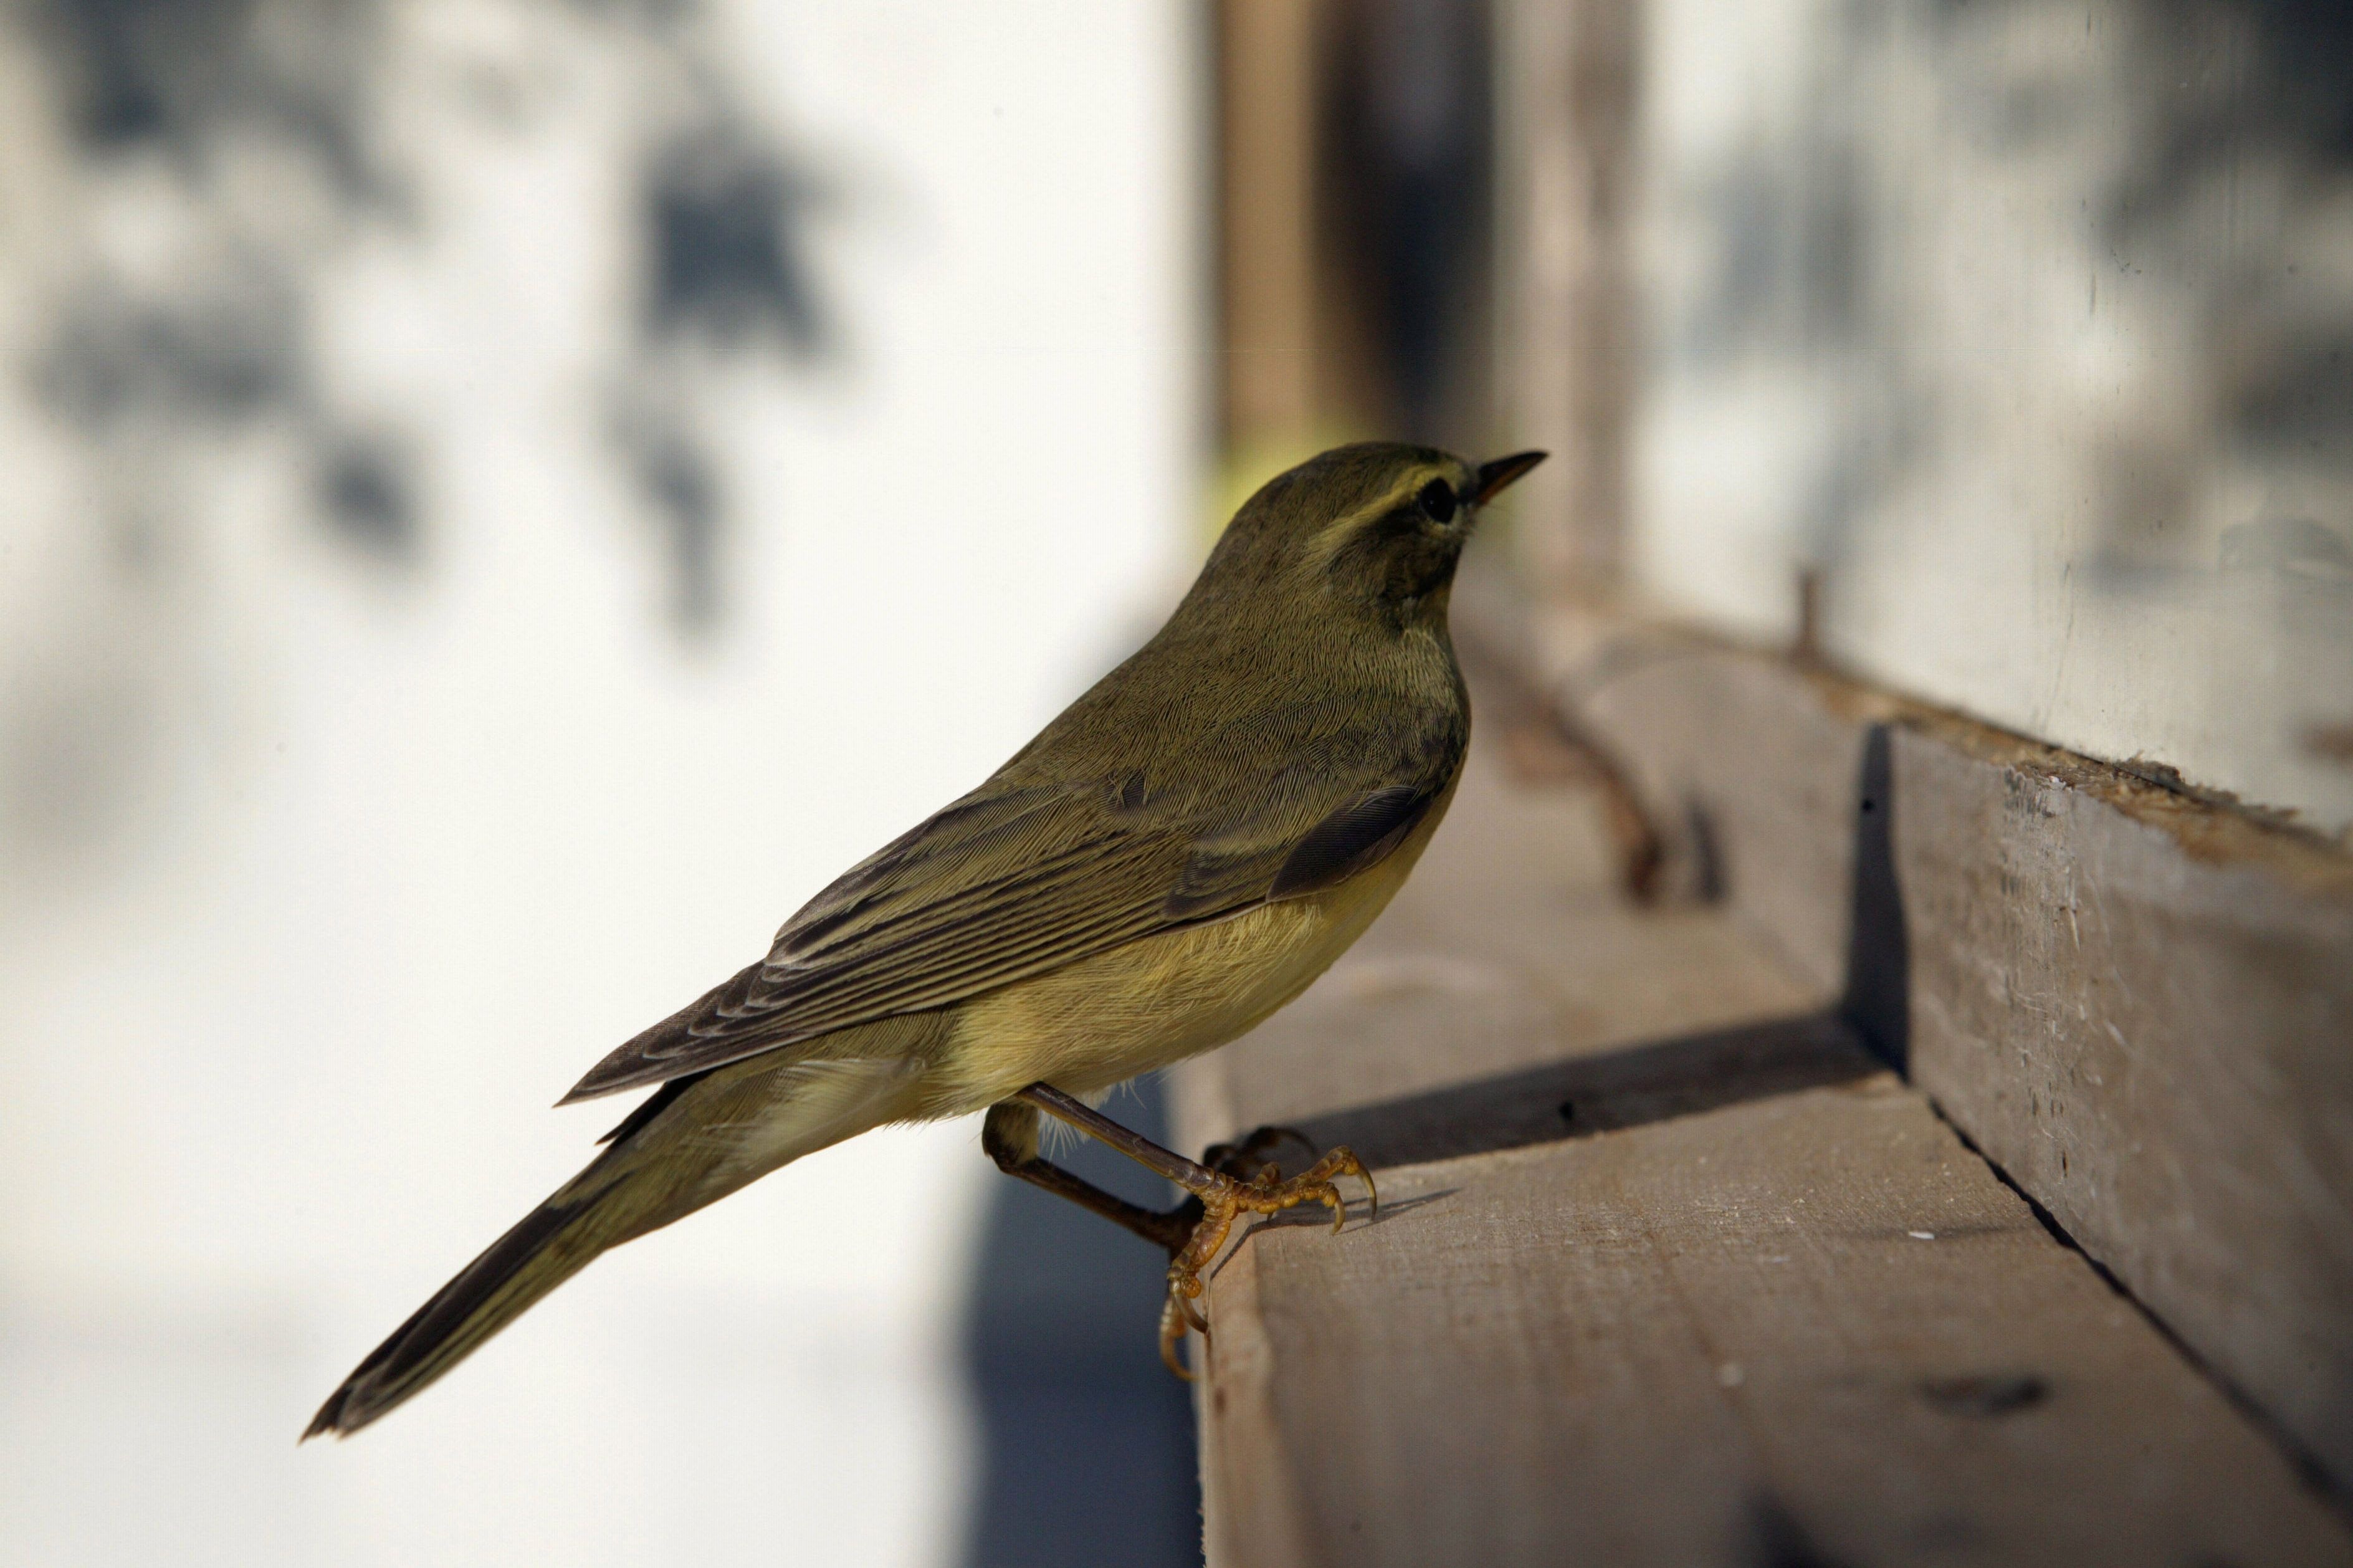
(368, 498)
(221, 352)
(723, 219)
(2300, 546)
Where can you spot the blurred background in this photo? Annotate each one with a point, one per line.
(500, 500)
(503, 501)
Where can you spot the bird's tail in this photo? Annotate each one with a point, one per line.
(555, 1241)
(692, 1143)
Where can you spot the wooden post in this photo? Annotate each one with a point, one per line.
(1566, 79)
(1266, 117)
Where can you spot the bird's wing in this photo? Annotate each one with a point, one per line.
(1017, 879)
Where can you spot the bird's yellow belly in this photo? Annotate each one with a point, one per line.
(1157, 1000)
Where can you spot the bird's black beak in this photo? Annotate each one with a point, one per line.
(1494, 476)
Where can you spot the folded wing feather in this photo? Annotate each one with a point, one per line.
(1017, 879)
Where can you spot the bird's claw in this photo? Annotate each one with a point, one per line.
(1225, 1199)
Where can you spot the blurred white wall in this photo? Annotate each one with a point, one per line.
(321, 877)
(2028, 327)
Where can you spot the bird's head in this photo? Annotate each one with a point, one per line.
(1376, 527)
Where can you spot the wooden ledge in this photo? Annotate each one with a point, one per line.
(1750, 1299)
(2139, 1004)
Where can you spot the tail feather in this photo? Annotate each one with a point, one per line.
(694, 1142)
(552, 1243)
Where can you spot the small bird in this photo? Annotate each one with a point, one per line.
(1172, 859)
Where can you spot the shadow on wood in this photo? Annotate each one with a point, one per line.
(1878, 1000)
(1631, 1087)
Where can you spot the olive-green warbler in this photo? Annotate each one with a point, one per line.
(1171, 860)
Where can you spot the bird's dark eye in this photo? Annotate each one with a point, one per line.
(1437, 499)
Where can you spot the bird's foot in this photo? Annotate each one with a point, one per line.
(1224, 1197)
(1217, 1193)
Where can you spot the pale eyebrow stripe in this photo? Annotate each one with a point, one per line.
(1328, 542)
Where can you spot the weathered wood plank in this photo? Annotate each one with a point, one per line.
(1755, 767)
(1690, 1322)
(1810, 1328)
(2158, 1045)
(2139, 1004)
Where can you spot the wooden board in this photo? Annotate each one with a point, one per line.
(1810, 1328)
(2139, 1004)
(2155, 1043)
(1690, 1322)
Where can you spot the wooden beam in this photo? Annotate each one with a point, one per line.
(1669, 1269)
(1267, 98)
(1565, 81)
(2140, 1005)
(1801, 1329)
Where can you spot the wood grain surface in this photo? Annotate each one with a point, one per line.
(2138, 1002)
(1669, 1270)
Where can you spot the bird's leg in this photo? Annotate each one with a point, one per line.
(1009, 1135)
(1221, 1199)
